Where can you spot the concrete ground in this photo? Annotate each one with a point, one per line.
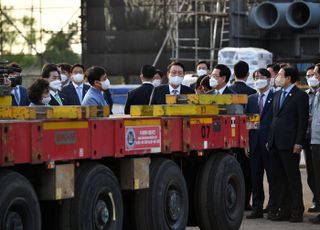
(264, 224)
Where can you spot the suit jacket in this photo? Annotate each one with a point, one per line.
(54, 102)
(290, 122)
(227, 90)
(242, 88)
(158, 96)
(24, 99)
(139, 96)
(260, 137)
(71, 95)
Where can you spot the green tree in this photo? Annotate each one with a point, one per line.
(58, 47)
(8, 33)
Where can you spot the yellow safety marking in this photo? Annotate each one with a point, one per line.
(222, 99)
(6, 101)
(143, 122)
(71, 112)
(196, 121)
(233, 132)
(65, 125)
(58, 193)
(136, 184)
(239, 99)
(20, 112)
(253, 118)
(207, 99)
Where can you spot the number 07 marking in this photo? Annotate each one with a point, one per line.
(205, 131)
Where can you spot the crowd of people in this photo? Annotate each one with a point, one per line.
(288, 120)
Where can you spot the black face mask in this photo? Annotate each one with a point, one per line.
(14, 81)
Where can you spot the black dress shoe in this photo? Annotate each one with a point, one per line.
(280, 216)
(265, 210)
(271, 215)
(296, 218)
(255, 215)
(314, 209)
(315, 220)
(248, 208)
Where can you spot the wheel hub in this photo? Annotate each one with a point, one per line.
(231, 196)
(173, 204)
(101, 214)
(14, 221)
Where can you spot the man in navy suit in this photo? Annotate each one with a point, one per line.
(219, 79)
(175, 73)
(141, 95)
(286, 137)
(261, 103)
(241, 72)
(76, 90)
(19, 93)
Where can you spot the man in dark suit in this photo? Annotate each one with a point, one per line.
(141, 95)
(51, 73)
(241, 72)
(19, 93)
(286, 137)
(202, 69)
(76, 90)
(175, 73)
(219, 79)
(261, 103)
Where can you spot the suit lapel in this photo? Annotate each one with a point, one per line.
(267, 104)
(287, 99)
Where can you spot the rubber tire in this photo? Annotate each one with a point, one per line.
(211, 200)
(150, 203)
(91, 180)
(17, 191)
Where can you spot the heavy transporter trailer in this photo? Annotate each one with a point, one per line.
(75, 168)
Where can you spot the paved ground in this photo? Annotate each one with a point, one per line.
(264, 224)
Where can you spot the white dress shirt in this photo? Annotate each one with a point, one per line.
(171, 90)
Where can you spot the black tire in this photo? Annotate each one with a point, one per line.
(220, 194)
(164, 206)
(19, 206)
(97, 204)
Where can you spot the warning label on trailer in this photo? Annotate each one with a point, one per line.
(143, 138)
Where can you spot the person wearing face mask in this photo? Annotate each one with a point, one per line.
(157, 78)
(273, 70)
(261, 103)
(65, 72)
(175, 73)
(285, 141)
(202, 69)
(315, 141)
(19, 93)
(313, 84)
(99, 82)
(51, 73)
(39, 93)
(141, 95)
(219, 79)
(76, 91)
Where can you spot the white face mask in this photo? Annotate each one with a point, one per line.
(175, 80)
(156, 82)
(201, 72)
(213, 82)
(313, 81)
(105, 84)
(64, 78)
(78, 78)
(260, 83)
(46, 100)
(55, 85)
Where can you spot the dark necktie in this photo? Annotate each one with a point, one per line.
(283, 97)
(261, 103)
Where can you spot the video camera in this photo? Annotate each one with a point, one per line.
(5, 72)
